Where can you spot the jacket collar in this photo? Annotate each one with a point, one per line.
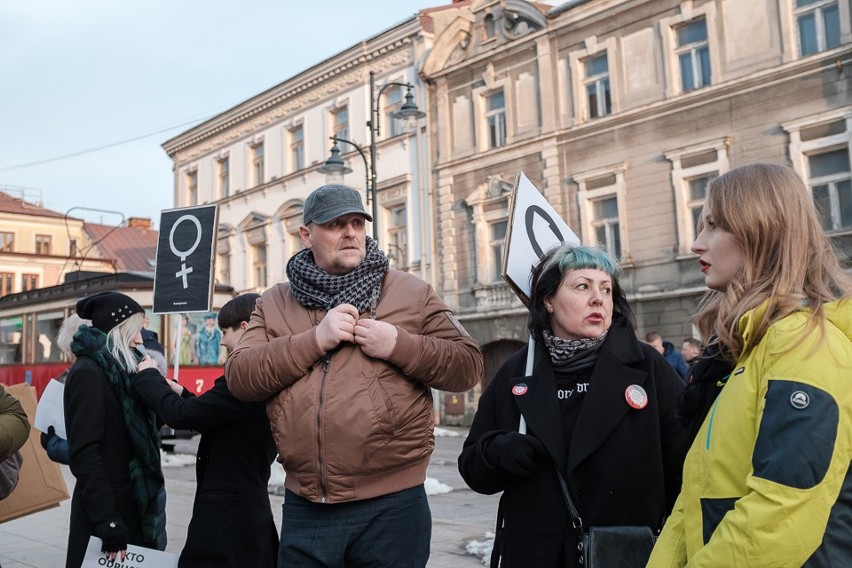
(603, 407)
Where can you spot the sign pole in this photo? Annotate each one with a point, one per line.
(534, 228)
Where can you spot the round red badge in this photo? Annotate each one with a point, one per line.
(519, 389)
(636, 397)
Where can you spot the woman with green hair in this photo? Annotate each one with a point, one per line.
(599, 409)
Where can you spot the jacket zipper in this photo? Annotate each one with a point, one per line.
(721, 383)
(326, 361)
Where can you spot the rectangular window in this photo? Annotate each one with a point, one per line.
(340, 127)
(398, 237)
(495, 115)
(224, 266)
(11, 332)
(259, 265)
(693, 53)
(192, 187)
(498, 237)
(48, 327)
(605, 224)
(393, 102)
(257, 163)
(297, 148)
(831, 183)
(224, 177)
(819, 25)
(7, 242)
(697, 195)
(597, 86)
(42, 244)
(29, 282)
(7, 281)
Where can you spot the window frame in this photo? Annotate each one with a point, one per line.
(43, 244)
(29, 281)
(339, 128)
(817, 9)
(7, 241)
(7, 283)
(490, 205)
(223, 176)
(668, 32)
(681, 176)
(800, 150)
(192, 186)
(588, 197)
(260, 266)
(258, 163)
(577, 66)
(296, 136)
(392, 126)
(496, 132)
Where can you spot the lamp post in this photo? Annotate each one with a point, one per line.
(334, 165)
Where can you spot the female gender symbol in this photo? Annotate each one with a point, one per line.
(183, 254)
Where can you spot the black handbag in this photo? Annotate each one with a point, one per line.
(609, 546)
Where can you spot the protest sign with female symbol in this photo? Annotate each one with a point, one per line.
(183, 281)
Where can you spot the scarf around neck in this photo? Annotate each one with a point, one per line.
(572, 355)
(315, 288)
(146, 473)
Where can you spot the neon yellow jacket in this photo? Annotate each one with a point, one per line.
(767, 481)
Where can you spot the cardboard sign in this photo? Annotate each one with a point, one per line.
(534, 228)
(50, 411)
(40, 485)
(137, 557)
(183, 281)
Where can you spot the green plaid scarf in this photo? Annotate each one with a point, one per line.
(145, 470)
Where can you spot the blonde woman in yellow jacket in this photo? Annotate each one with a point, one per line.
(767, 481)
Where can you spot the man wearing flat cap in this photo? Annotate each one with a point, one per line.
(348, 351)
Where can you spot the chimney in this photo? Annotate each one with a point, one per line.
(139, 223)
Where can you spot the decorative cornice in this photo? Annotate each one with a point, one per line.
(289, 97)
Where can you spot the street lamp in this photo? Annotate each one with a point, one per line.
(335, 166)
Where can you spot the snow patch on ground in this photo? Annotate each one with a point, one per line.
(435, 487)
(481, 548)
(176, 460)
(444, 433)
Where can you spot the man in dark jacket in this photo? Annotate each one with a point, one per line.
(667, 350)
(232, 523)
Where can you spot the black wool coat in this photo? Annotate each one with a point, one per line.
(232, 524)
(99, 454)
(623, 465)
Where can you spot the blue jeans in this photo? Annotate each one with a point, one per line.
(392, 531)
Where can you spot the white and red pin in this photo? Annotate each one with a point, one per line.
(520, 389)
(636, 397)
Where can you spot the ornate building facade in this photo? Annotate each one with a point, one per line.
(620, 111)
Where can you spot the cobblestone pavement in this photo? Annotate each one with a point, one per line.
(458, 517)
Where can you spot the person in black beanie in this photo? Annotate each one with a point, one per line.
(113, 439)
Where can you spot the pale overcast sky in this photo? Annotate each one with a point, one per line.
(84, 74)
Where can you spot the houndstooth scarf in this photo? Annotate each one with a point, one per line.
(572, 355)
(315, 288)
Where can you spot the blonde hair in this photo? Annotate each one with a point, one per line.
(788, 261)
(119, 338)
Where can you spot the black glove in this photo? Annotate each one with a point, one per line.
(46, 436)
(114, 535)
(516, 454)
